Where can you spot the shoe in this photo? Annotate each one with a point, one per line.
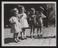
(25, 38)
(22, 38)
(16, 40)
(19, 37)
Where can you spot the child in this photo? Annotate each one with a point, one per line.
(23, 21)
(16, 26)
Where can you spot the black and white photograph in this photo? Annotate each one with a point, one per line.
(29, 23)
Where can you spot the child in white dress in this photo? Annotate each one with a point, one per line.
(16, 25)
(23, 21)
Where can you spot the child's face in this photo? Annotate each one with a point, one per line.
(22, 10)
(16, 12)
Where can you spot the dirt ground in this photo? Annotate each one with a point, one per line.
(47, 32)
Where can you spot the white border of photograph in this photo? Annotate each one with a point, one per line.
(4, 2)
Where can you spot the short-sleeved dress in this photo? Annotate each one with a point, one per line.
(16, 27)
(23, 21)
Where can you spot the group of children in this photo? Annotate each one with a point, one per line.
(19, 22)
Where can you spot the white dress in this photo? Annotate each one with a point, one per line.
(23, 21)
(16, 25)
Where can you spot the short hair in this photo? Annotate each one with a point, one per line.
(14, 10)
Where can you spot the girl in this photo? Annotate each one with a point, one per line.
(23, 21)
(16, 26)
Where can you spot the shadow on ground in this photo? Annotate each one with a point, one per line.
(45, 37)
(41, 37)
(8, 40)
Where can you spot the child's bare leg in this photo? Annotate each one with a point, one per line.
(16, 37)
(19, 36)
(31, 32)
(38, 31)
(24, 34)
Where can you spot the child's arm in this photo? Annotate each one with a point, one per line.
(12, 20)
(43, 16)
